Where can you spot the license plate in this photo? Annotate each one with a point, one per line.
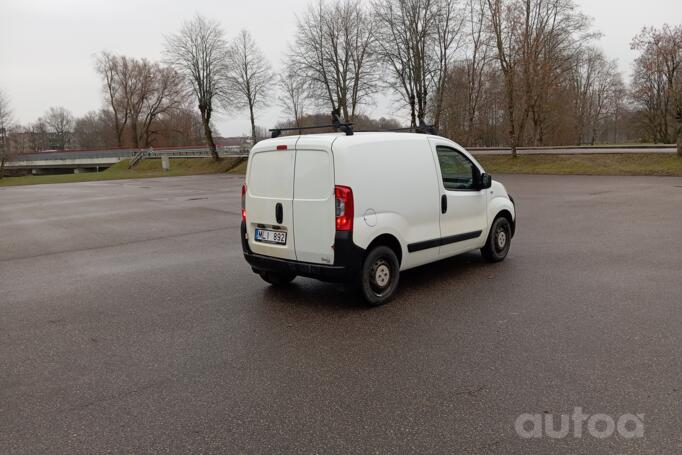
(267, 236)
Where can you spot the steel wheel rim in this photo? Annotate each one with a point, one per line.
(380, 276)
(501, 238)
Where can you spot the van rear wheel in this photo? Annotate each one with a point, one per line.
(277, 279)
(379, 276)
(499, 240)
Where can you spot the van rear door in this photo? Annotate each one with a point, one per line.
(314, 210)
(269, 199)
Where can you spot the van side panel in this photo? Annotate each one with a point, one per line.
(395, 190)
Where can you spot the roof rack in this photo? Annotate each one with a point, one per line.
(423, 128)
(336, 124)
(347, 128)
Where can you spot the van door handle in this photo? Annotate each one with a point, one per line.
(279, 213)
(443, 203)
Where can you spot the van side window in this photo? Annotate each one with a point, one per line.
(458, 172)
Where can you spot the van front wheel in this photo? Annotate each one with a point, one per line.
(277, 279)
(499, 239)
(380, 275)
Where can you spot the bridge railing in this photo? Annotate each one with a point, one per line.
(129, 153)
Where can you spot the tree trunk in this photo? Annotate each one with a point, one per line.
(344, 112)
(413, 114)
(513, 147)
(253, 125)
(438, 107)
(679, 142)
(206, 120)
(136, 138)
(512, 120)
(120, 128)
(2, 165)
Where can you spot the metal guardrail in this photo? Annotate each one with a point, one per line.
(577, 147)
(128, 153)
(238, 151)
(123, 154)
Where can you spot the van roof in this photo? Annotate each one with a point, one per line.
(359, 137)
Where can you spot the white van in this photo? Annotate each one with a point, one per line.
(363, 207)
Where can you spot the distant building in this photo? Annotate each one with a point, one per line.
(242, 143)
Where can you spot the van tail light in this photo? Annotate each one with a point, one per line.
(244, 202)
(344, 208)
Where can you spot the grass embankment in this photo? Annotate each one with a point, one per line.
(585, 164)
(145, 169)
(661, 164)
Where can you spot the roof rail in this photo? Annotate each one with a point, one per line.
(336, 124)
(426, 129)
(422, 129)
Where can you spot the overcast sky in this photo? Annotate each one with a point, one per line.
(47, 47)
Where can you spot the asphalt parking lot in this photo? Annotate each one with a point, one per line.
(130, 323)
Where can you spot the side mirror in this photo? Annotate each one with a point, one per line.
(486, 181)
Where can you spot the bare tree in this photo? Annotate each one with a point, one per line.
(657, 81)
(137, 93)
(199, 52)
(60, 124)
(181, 126)
(18, 141)
(554, 32)
(167, 94)
(595, 82)
(109, 68)
(334, 51)
(536, 42)
(417, 40)
(403, 27)
(506, 21)
(449, 21)
(136, 81)
(292, 98)
(94, 130)
(477, 59)
(250, 77)
(38, 135)
(607, 82)
(5, 123)
(678, 112)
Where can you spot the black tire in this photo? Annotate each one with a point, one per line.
(379, 276)
(277, 279)
(499, 240)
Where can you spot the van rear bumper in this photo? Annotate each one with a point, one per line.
(261, 263)
(347, 260)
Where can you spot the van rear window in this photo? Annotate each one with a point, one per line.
(271, 174)
(314, 179)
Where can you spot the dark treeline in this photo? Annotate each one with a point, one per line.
(484, 72)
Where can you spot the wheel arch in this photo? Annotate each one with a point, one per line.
(388, 240)
(506, 214)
